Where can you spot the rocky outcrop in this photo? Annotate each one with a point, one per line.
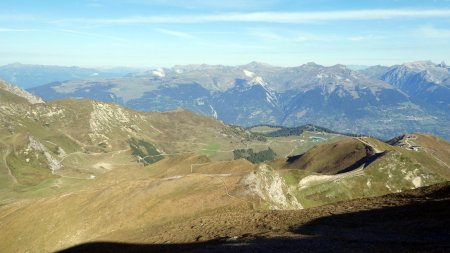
(21, 93)
(36, 146)
(270, 187)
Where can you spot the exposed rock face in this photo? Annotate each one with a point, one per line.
(426, 83)
(270, 186)
(21, 93)
(52, 162)
(104, 118)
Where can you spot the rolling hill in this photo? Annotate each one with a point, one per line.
(82, 170)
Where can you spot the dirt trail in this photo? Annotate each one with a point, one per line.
(5, 155)
(430, 153)
(375, 149)
(436, 158)
(326, 179)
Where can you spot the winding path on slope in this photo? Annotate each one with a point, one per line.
(428, 152)
(435, 157)
(377, 151)
(5, 155)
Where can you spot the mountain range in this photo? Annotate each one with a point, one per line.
(377, 101)
(81, 170)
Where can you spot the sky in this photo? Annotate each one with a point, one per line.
(163, 33)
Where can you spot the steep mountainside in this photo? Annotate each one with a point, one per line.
(334, 97)
(426, 83)
(82, 170)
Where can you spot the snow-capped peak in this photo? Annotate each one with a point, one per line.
(420, 65)
(271, 97)
(159, 72)
(258, 81)
(248, 73)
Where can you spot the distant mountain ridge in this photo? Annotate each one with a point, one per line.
(31, 75)
(410, 97)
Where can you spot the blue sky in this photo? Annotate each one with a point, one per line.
(153, 33)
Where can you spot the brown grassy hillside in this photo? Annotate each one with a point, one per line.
(330, 159)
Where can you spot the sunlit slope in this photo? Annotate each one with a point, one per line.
(45, 147)
(124, 199)
(330, 159)
(49, 145)
(81, 170)
(378, 169)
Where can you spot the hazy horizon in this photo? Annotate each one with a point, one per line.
(353, 66)
(163, 33)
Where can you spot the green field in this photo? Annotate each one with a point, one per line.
(210, 149)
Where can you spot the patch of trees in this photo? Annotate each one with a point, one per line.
(248, 135)
(251, 156)
(144, 151)
(291, 131)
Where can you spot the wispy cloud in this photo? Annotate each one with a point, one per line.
(173, 33)
(17, 17)
(94, 3)
(202, 4)
(16, 30)
(295, 36)
(266, 34)
(430, 31)
(271, 17)
(87, 34)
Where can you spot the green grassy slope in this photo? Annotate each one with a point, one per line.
(396, 170)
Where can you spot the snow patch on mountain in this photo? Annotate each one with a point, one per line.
(271, 97)
(258, 81)
(415, 72)
(214, 112)
(419, 65)
(248, 73)
(159, 72)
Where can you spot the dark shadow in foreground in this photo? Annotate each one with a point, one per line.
(417, 227)
(421, 225)
(277, 244)
(414, 225)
